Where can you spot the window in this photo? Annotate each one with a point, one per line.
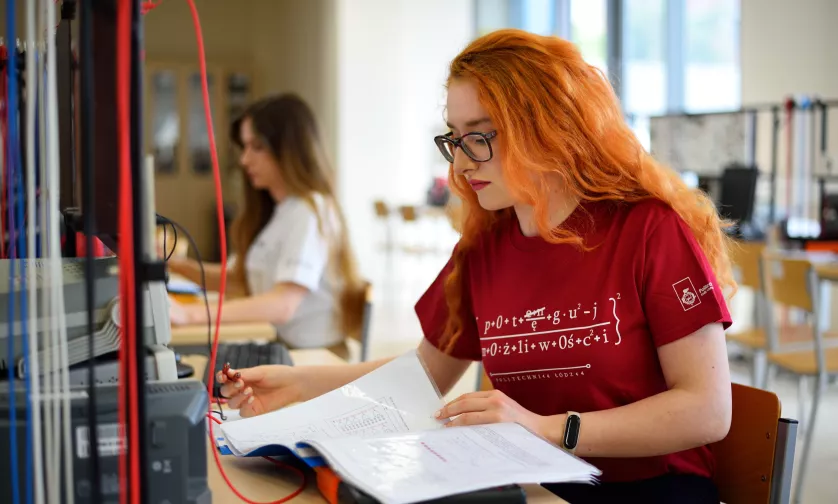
(539, 16)
(644, 79)
(679, 56)
(588, 31)
(491, 15)
(644, 63)
(673, 55)
(536, 16)
(712, 73)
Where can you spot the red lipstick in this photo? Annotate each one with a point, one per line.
(478, 184)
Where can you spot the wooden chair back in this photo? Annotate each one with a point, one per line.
(746, 258)
(484, 383)
(745, 457)
(362, 307)
(381, 210)
(409, 213)
(787, 281)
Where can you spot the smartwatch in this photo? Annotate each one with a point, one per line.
(572, 426)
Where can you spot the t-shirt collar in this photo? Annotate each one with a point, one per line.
(582, 221)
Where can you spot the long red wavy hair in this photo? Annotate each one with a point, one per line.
(558, 119)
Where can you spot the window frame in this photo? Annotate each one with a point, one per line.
(675, 40)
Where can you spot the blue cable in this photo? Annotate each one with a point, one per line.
(12, 114)
(20, 225)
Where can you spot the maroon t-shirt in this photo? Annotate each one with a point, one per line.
(561, 329)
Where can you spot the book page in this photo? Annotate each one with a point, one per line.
(397, 397)
(414, 467)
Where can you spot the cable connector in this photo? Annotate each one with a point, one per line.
(154, 271)
(147, 6)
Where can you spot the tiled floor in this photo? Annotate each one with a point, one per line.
(399, 279)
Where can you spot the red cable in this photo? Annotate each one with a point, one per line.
(145, 7)
(279, 464)
(298, 472)
(223, 239)
(127, 351)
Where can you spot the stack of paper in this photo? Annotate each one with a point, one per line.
(378, 433)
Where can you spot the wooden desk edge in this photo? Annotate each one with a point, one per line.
(827, 271)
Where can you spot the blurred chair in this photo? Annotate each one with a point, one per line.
(792, 281)
(785, 289)
(409, 213)
(382, 213)
(754, 462)
(363, 306)
(747, 263)
(410, 220)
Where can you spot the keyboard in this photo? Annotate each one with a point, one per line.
(248, 354)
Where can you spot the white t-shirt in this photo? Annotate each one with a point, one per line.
(291, 248)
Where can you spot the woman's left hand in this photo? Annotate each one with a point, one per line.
(491, 406)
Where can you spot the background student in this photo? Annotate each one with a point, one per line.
(294, 262)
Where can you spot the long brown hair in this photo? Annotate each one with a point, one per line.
(557, 117)
(286, 126)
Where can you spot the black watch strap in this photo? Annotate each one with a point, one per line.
(572, 426)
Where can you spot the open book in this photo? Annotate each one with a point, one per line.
(379, 434)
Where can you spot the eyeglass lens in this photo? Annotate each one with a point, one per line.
(474, 145)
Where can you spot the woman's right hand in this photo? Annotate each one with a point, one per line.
(260, 389)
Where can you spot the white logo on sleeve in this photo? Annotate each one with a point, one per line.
(686, 293)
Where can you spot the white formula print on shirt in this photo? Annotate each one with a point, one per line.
(562, 329)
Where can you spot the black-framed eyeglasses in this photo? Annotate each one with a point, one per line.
(477, 146)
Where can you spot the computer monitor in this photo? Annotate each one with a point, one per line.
(738, 193)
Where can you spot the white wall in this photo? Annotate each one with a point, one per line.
(392, 58)
(788, 47)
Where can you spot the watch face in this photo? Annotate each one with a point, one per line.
(571, 431)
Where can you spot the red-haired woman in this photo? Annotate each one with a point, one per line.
(589, 280)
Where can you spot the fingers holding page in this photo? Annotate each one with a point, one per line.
(473, 401)
(464, 406)
(474, 418)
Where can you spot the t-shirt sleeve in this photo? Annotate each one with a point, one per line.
(680, 292)
(303, 250)
(432, 310)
